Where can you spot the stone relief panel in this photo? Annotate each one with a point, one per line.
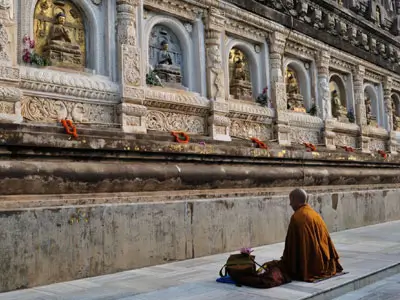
(246, 129)
(375, 145)
(170, 121)
(345, 140)
(59, 34)
(7, 108)
(300, 136)
(48, 110)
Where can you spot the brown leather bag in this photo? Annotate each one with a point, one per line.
(242, 269)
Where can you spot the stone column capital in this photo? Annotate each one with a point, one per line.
(215, 19)
(277, 42)
(323, 59)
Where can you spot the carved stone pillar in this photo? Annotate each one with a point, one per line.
(132, 113)
(218, 122)
(324, 101)
(361, 118)
(387, 93)
(10, 94)
(278, 88)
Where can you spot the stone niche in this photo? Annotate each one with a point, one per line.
(166, 57)
(341, 109)
(371, 105)
(298, 87)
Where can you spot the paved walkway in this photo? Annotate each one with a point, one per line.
(387, 289)
(363, 251)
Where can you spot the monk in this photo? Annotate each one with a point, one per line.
(309, 252)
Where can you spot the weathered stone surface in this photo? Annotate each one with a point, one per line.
(45, 245)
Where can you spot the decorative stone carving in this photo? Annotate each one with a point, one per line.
(49, 110)
(126, 22)
(300, 136)
(323, 92)
(4, 41)
(215, 67)
(132, 117)
(131, 68)
(246, 129)
(97, 2)
(69, 84)
(10, 106)
(170, 121)
(60, 34)
(346, 140)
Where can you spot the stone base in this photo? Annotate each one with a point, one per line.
(219, 128)
(132, 117)
(241, 90)
(64, 60)
(283, 134)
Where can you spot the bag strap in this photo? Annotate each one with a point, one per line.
(221, 273)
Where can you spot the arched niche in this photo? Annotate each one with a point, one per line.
(243, 75)
(298, 83)
(396, 111)
(94, 49)
(371, 105)
(338, 98)
(181, 39)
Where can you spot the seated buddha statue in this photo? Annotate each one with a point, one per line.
(294, 98)
(60, 48)
(168, 72)
(292, 86)
(338, 110)
(396, 118)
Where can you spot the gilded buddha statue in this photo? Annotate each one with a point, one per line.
(338, 110)
(240, 85)
(295, 101)
(61, 49)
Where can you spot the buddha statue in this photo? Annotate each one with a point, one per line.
(294, 98)
(164, 55)
(61, 49)
(292, 86)
(368, 111)
(168, 72)
(338, 110)
(240, 86)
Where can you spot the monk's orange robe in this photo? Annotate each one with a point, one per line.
(309, 252)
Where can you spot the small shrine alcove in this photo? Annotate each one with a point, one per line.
(240, 77)
(338, 98)
(59, 34)
(371, 105)
(166, 56)
(298, 87)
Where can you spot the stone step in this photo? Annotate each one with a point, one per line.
(335, 292)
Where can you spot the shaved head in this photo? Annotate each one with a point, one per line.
(297, 197)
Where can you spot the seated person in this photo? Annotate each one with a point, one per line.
(309, 252)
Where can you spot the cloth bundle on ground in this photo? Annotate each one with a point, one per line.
(242, 269)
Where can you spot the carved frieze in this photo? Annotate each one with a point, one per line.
(7, 108)
(131, 65)
(170, 121)
(247, 129)
(49, 110)
(245, 30)
(300, 50)
(301, 135)
(345, 140)
(176, 8)
(68, 84)
(376, 144)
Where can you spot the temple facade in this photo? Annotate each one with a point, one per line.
(118, 116)
(200, 68)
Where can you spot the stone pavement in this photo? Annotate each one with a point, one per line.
(387, 289)
(369, 254)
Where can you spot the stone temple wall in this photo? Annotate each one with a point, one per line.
(122, 193)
